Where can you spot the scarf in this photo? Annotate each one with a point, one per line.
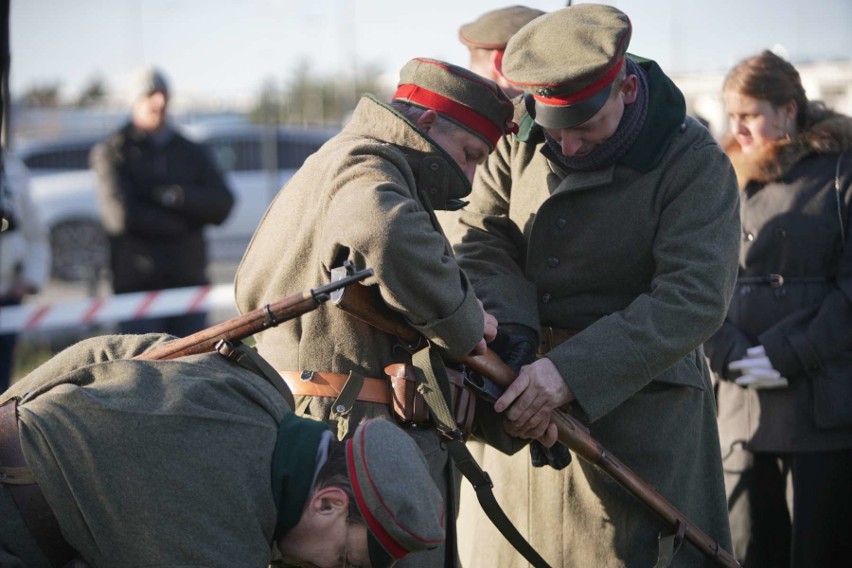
(614, 147)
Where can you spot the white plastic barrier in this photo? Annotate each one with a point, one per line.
(117, 308)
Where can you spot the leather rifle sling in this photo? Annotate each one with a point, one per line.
(429, 364)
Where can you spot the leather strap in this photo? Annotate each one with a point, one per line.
(16, 476)
(554, 336)
(430, 369)
(313, 383)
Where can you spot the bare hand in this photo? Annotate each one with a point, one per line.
(531, 398)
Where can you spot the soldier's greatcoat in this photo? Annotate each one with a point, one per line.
(366, 196)
(640, 258)
(155, 463)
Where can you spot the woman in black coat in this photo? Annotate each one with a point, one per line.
(784, 353)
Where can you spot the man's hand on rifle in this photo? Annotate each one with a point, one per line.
(529, 400)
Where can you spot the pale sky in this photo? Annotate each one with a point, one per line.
(227, 49)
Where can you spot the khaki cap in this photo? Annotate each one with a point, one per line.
(566, 62)
(472, 101)
(397, 497)
(492, 30)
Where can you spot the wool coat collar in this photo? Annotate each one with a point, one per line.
(439, 178)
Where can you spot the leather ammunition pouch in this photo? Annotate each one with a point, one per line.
(410, 407)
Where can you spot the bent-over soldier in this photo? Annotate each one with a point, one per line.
(196, 461)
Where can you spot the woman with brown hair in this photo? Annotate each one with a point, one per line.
(784, 353)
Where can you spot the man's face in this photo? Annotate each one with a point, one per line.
(324, 537)
(582, 139)
(466, 149)
(149, 111)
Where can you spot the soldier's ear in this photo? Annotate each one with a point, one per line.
(427, 120)
(329, 501)
(630, 89)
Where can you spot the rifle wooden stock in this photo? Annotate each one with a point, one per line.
(255, 321)
(365, 304)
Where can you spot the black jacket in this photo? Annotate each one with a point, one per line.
(794, 294)
(155, 200)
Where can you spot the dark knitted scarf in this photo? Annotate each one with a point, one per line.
(614, 147)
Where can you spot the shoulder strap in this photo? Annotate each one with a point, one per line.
(248, 358)
(432, 375)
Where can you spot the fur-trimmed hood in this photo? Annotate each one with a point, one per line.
(831, 133)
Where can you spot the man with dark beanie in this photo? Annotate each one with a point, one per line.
(369, 196)
(605, 234)
(157, 191)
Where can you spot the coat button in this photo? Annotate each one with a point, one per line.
(545, 298)
(561, 223)
(434, 166)
(780, 233)
(683, 127)
(433, 190)
(749, 237)
(552, 262)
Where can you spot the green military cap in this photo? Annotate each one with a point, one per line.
(474, 102)
(566, 62)
(492, 30)
(397, 497)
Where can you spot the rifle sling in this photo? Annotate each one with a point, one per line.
(430, 370)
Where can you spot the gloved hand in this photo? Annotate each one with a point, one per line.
(556, 456)
(757, 371)
(516, 345)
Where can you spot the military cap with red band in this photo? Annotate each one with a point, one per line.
(402, 508)
(474, 102)
(566, 62)
(492, 30)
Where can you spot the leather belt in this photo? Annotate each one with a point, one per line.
(778, 280)
(313, 383)
(15, 475)
(553, 336)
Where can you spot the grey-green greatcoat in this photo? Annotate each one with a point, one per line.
(641, 257)
(366, 196)
(151, 463)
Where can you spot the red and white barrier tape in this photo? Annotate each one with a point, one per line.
(112, 309)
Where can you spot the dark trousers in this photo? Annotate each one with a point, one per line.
(7, 350)
(793, 510)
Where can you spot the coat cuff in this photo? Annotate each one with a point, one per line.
(510, 299)
(458, 333)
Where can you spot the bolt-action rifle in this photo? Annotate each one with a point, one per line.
(492, 376)
(255, 321)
